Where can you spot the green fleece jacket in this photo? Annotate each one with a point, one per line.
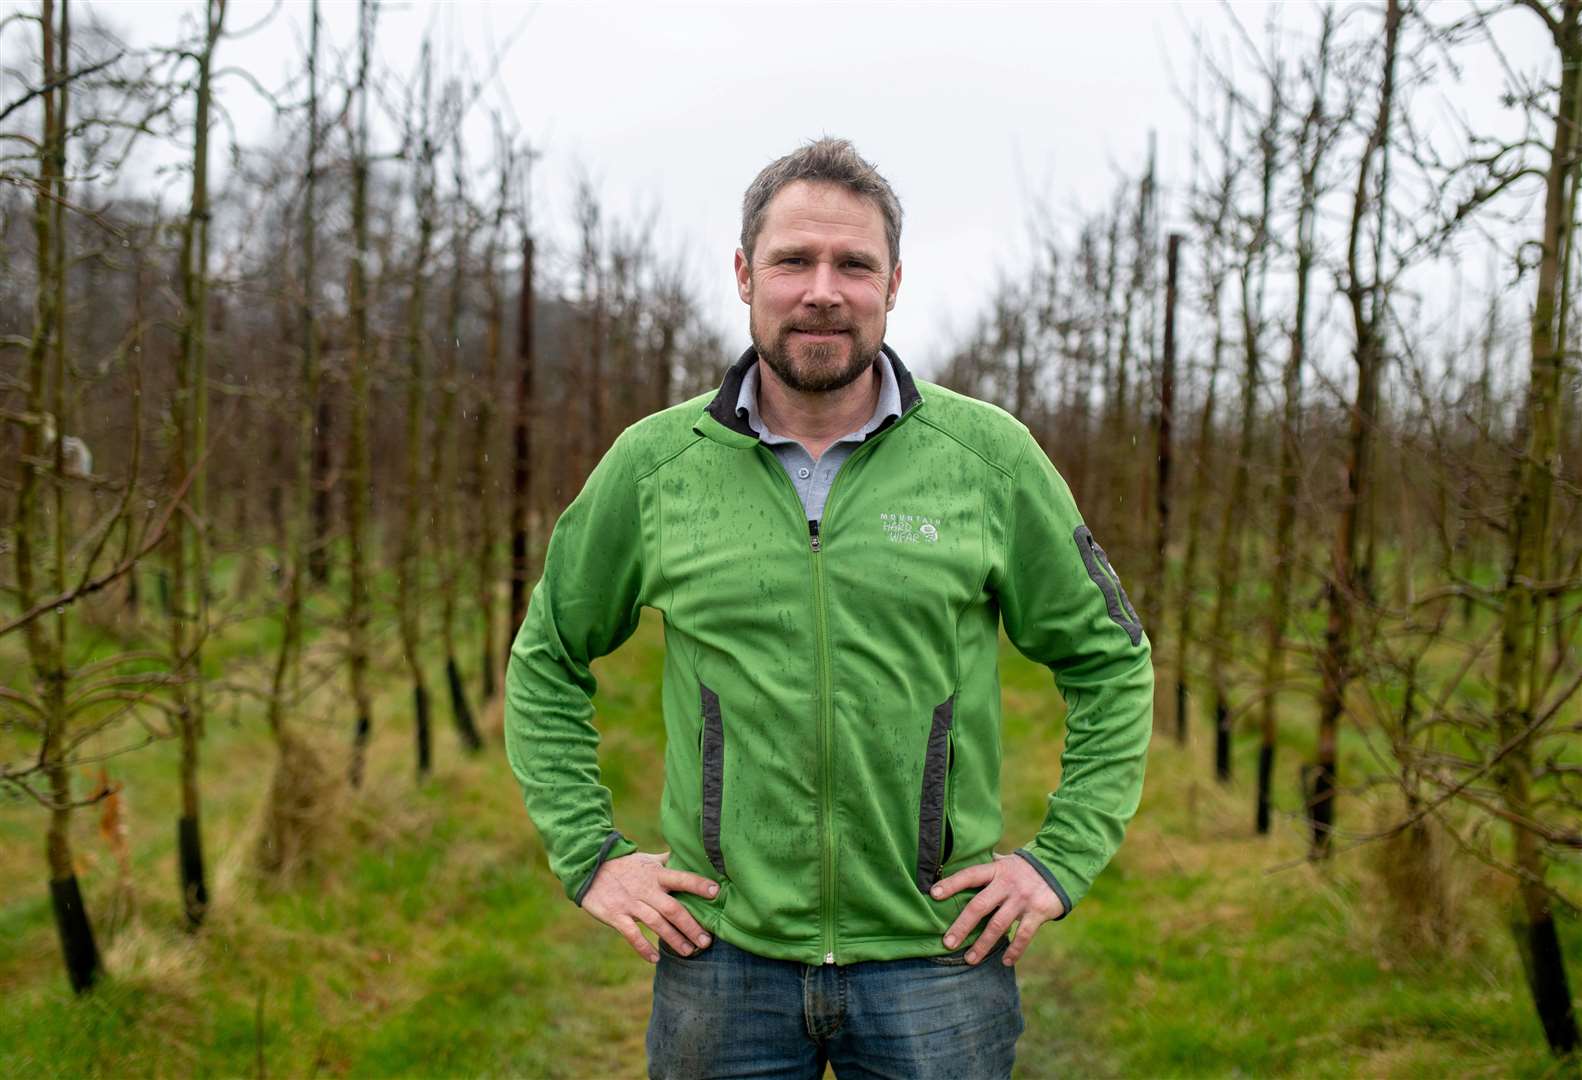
(831, 689)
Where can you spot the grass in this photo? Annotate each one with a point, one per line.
(430, 938)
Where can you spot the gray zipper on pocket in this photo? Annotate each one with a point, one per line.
(713, 754)
(931, 823)
(1109, 583)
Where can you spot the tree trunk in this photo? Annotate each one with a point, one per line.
(323, 435)
(591, 442)
(358, 496)
(1310, 145)
(134, 367)
(483, 489)
(1211, 245)
(191, 592)
(1146, 241)
(1163, 434)
(1347, 586)
(1532, 507)
(46, 638)
(665, 355)
(1114, 382)
(409, 580)
(443, 476)
(1252, 274)
(522, 444)
(287, 811)
(1187, 612)
(1123, 523)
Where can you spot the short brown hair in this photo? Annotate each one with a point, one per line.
(822, 161)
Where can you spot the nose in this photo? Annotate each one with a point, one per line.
(823, 289)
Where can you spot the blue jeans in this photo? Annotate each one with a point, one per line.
(724, 1012)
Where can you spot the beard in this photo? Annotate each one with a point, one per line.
(815, 367)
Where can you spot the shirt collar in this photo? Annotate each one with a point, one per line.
(888, 405)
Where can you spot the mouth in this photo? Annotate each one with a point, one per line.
(818, 335)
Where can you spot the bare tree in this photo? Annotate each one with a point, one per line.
(46, 361)
(358, 499)
(1164, 421)
(1349, 583)
(1519, 709)
(190, 411)
(482, 485)
(409, 578)
(444, 473)
(591, 284)
(1212, 220)
(59, 560)
(297, 785)
(1251, 275)
(521, 429)
(1317, 132)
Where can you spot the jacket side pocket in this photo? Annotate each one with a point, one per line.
(713, 756)
(931, 817)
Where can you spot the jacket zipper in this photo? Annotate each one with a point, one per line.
(826, 796)
(826, 734)
(826, 706)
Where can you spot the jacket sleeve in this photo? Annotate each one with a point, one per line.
(1063, 605)
(585, 605)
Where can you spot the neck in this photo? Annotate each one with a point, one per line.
(816, 419)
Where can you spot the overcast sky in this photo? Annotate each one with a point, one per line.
(974, 111)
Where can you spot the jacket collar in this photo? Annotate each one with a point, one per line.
(722, 423)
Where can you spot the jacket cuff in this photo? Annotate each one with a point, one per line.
(1049, 879)
(610, 843)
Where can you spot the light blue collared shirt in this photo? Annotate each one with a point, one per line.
(813, 477)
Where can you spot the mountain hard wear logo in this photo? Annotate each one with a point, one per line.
(910, 528)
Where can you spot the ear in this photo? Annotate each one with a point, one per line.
(744, 277)
(894, 287)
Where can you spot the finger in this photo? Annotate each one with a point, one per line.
(1024, 937)
(634, 937)
(681, 881)
(651, 918)
(682, 920)
(971, 915)
(997, 928)
(970, 878)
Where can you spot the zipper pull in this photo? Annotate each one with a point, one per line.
(812, 535)
(829, 958)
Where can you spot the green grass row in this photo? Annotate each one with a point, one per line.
(431, 940)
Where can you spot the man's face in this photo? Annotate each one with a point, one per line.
(819, 287)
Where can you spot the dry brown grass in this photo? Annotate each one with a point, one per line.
(1417, 898)
(163, 957)
(299, 813)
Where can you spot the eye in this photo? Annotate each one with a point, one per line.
(792, 260)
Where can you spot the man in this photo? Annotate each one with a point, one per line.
(833, 545)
